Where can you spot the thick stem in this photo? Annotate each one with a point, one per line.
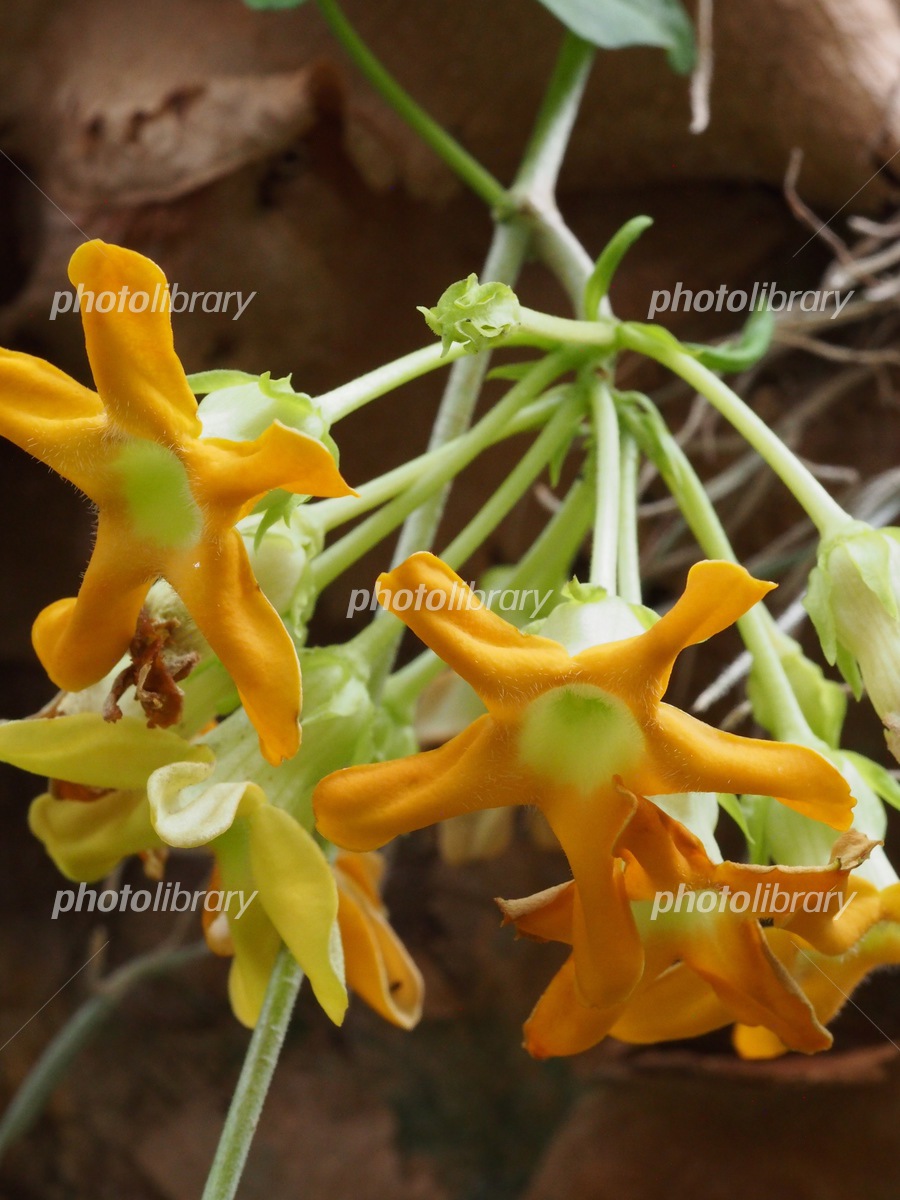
(256, 1075)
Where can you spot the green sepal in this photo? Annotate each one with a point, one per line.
(871, 556)
(473, 314)
(817, 603)
(732, 806)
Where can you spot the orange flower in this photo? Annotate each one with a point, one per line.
(727, 970)
(167, 498)
(559, 729)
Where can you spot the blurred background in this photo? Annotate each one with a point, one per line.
(240, 151)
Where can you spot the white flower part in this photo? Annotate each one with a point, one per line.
(281, 559)
(186, 810)
(578, 626)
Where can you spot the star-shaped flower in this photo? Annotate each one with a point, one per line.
(559, 730)
(167, 498)
(711, 930)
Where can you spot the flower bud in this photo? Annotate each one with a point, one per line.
(473, 313)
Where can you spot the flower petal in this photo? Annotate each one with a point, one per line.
(688, 756)
(187, 812)
(49, 415)
(607, 949)
(545, 917)
(217, 584)
(735, 959)
(561, 1023)
(379, 969)
(80, 638)
(505, 667)
(85, 749)
(232, 476)
(298, 891)
(677, 1004)
(137, 372)
(361, 808)
(87, 839)
(715, 595)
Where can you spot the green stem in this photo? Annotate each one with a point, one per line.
(539, 328)
(825, 512)
(346, 399)
(703, 520)
(629, 566)
(337, 558)
(256, 1075)
(471, 172)
(329, 514)
(31, 1098)
(556, 434)
(605, 547)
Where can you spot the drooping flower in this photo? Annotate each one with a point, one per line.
(558, 731)
(709, 930)
(167, 497)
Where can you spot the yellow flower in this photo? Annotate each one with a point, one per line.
(726, 969)
(167, 498)
(558, 731)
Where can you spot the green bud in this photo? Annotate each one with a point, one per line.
(474, 314)
(852, 600)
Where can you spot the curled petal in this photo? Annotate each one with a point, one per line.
(379, 969)
(80, 639)
(187, 811)
(87, 839)
(232, 476)
(561, 1023)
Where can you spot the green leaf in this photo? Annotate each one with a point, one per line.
(608, 263)
(613, 24)
(742, 352)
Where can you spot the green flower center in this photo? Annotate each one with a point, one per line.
(158, 495)
(580, 736)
